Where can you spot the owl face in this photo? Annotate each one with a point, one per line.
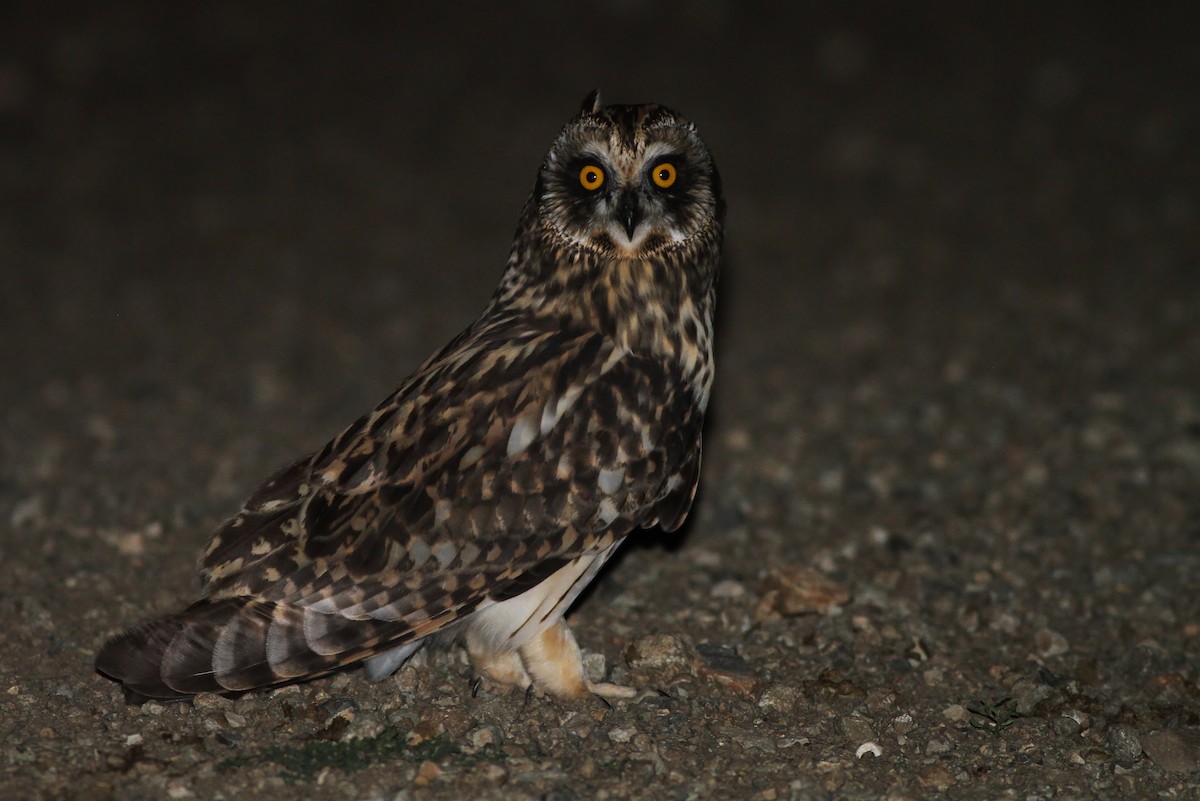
(628, 180)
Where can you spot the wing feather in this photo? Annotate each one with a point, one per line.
(424, 508)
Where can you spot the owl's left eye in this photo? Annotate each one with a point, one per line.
(664, 175)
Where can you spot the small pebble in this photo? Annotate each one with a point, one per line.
(26, 510)
(1066, 726)
(796, 590)
(738, 439)
(781, 698)
(621, 734)
(857, 728)
(486, 736)
(1050, 644)
(211, 701)
(728, 589)
(935, 777)
(152, 708)
(881, 702)
(427, 773)
(179, 790)
(362, 727)
(424, 731)
(1124, 742)
(938, 745)
(1027, 695)
(595, 667)
(1173, 749)
(956, 712)
(581, 726)
(661, 652)
(493, 773)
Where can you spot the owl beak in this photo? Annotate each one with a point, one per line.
(629, 213)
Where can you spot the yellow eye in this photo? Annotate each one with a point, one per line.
(664, 175)
(591, 177)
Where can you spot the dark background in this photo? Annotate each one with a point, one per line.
(959, 369)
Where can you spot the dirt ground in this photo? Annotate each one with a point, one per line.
(948, 540)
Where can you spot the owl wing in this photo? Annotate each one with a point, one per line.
(501, 460)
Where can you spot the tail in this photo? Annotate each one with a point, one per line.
(238, 644)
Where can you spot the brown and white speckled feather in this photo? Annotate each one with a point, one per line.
(484, 494)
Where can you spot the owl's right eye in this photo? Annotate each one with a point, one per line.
(591, 177)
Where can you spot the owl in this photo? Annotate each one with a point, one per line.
(477, 502)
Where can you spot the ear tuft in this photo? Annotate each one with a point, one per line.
(591, 103)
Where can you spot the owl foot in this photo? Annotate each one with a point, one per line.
(553, 660)
(497, 670)
(549, 663)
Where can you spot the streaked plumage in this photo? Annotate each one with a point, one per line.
(484, 494)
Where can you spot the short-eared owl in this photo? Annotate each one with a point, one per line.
(480, 499)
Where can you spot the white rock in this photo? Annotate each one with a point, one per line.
(868, 748)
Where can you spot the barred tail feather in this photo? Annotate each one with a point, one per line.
(238, 644)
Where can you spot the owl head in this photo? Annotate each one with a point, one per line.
(628, 181)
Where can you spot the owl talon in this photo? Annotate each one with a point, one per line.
(528, 697)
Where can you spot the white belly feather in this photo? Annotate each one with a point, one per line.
(504, 626)
(509, 624)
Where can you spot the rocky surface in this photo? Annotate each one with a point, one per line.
(948, 540)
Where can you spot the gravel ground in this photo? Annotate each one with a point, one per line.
(948, 541)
